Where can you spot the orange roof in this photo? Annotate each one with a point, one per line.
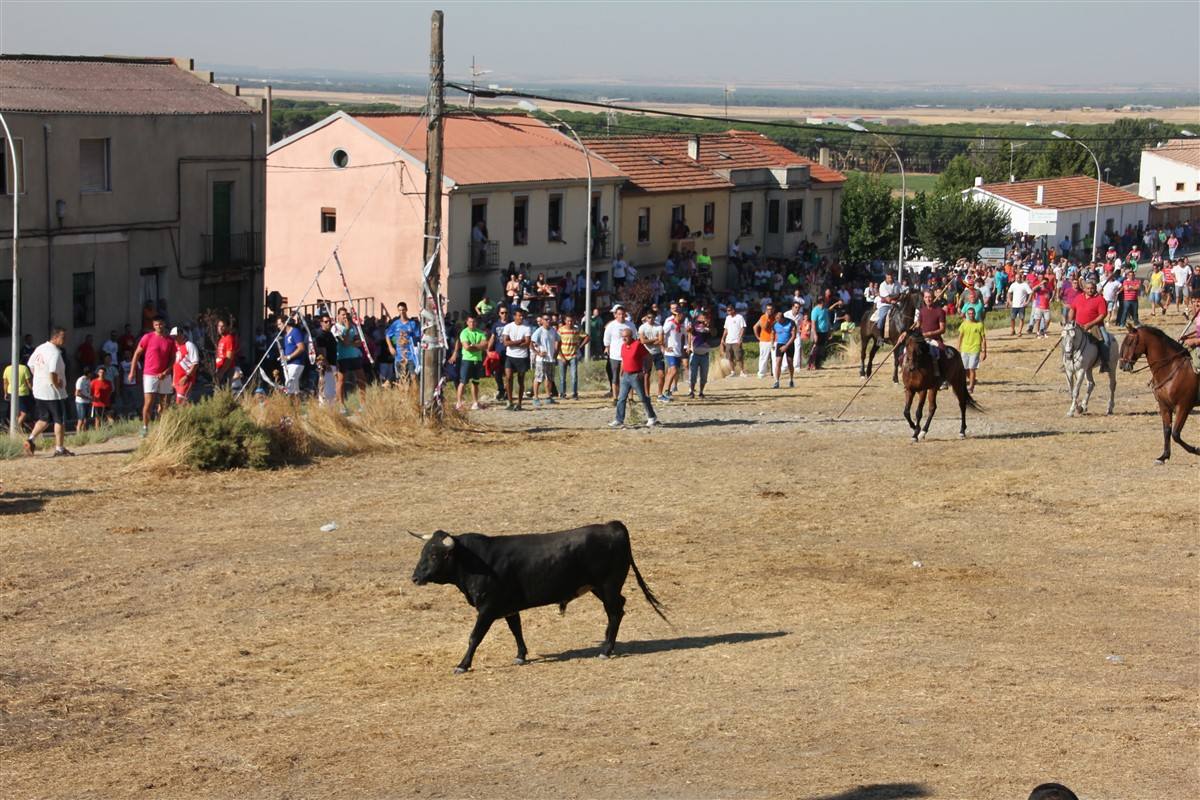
(657, 163)
(749, 149)
(1077, 191)
(492, 149)
(1181, 150)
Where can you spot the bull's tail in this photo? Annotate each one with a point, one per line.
(649, 595)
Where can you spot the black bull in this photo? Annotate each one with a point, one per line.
(504, 575)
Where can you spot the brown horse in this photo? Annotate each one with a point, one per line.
(899, 319)
(918, 378)
(1175, 384)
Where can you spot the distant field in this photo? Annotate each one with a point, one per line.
(914, 181)
(920, 116)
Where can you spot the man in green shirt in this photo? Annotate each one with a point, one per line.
(483, 308)
(972, 344)
(24, 398)
(472, 345)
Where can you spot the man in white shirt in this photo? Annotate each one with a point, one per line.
(1018, 298)
(884, 297)
(612, 346)
(675, 331)
(1182, 276)
(516, 336)
(797, 316)
(735, 331)
(1112, 294)
(49, 391)
(650, 333)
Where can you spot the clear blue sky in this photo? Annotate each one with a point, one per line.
(1026, 44)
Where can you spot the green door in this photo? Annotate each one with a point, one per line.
(222, 222)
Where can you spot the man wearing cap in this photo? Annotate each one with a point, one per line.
(187, 364)
(612, 346)
(158, 351)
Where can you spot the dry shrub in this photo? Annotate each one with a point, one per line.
(215, 434)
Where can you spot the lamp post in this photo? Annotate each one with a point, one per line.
(854, 126)
(525, 105)
(15, 319)
(1099, 181)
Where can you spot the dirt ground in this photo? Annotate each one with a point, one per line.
(854, 616)
(920, 116)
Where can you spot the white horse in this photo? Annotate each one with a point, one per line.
(1080, 356)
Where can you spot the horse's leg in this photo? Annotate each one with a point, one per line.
(908, 398)
(1112, 378)
(959, 384)
(1164, 411)
(864, 368)
(896, 354)
(1181, 414)
(920, 413)
(1074, 382)
(932, 410)
(1091, 387)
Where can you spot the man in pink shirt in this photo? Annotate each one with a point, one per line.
(159, 352)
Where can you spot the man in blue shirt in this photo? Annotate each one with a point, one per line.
(785, 334)
(822, 325)
(295, 356)
(402, 335)
(496, 345)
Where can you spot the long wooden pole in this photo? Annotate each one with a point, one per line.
(432, 354)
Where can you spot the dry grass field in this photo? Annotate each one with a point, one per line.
(920, 116)
(854, 617)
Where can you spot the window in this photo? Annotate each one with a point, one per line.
(6, 176)
(5, 321)
(520, 221)
(1110, 225)
(340, 158)
(643, 230)
(1179, 187)
(795, 216)
(94, 172)
(747, 225)
(328, 220)
(772, 216)
(710, 218)
(679, 226)
(554, 225)
(818, 204)
(83, 299)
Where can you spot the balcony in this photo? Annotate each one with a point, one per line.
(484, 256)
(232, 249)
(602, 247)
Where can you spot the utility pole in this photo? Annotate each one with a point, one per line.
(432, 332)
(10, 148)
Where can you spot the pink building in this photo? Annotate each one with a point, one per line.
(357, 183)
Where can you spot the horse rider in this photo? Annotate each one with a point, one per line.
(1191, 339)
(933, 326)
(1088, 311)
(888, 293)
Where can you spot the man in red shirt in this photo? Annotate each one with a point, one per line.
(227, 347)
(1088, 311)
(1131, 292)
(933, 324)
(634, 356)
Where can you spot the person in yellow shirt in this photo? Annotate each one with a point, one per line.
(972, 345)
(24, 392)
(1156, 291)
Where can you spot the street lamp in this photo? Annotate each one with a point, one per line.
(525, 105)
(1099, 181)
(15, 320)
(854, 126)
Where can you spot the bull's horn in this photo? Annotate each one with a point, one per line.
(424, 538)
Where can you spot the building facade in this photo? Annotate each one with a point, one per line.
(1064, 207)
(1170, 179)
(357, 183)
(146, 197)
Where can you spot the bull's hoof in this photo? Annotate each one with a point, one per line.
(1158, 462)
(604, 656)
(921, 436)
(460, 670)
(519, 662)
(962, 435)
(1108, 413)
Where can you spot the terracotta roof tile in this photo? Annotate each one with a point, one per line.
(493, 149)
(1184, 151)
(151, 86)
(748, 149)
(657, 163)
(1077, 191)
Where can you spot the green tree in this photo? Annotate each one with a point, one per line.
(870, 219)
(951, 227)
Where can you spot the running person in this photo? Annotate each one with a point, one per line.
(49, 370)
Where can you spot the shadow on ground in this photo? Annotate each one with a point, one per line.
(643, 647)
(879, 791)
(30, 502)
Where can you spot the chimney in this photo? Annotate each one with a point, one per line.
(979, 180)
(823, 156)
(694, 148)
(1041, 195)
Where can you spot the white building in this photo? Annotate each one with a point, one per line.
(1058, 207)
(1170, 173)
